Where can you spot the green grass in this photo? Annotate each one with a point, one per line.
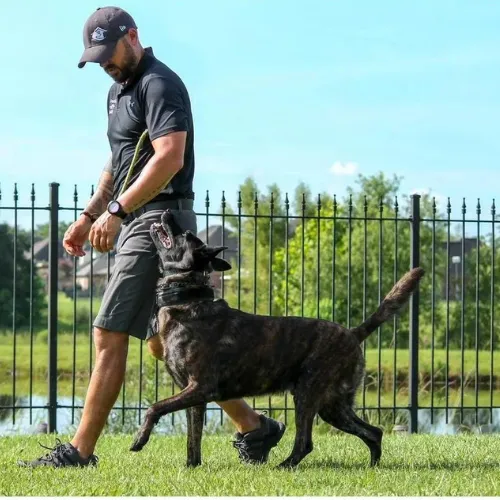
(465, 465)
(65, 357)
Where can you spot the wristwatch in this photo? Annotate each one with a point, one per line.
(114, 208)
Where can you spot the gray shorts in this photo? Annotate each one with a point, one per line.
(129, 297)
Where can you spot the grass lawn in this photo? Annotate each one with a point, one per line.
(465, 465)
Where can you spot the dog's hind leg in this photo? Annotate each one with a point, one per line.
(195, 416)
(305, 411)
(342, 416)
(189, 396)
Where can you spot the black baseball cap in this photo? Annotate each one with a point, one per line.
(101, 33)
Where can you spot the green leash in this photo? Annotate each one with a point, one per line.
(134, 160)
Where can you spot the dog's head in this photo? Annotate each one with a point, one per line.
(182, 251)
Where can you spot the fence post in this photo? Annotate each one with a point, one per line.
(414, 314)
(53, 282)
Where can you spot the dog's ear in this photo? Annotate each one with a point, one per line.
(212, 252)
(194, 239)
(217, 263)
(220, 264)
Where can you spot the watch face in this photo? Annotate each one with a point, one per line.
(114, 207)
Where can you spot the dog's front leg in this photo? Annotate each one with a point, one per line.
(195, 416)
(189, 396)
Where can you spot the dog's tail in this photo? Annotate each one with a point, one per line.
(391, 304)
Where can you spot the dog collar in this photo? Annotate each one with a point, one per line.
(167, 296)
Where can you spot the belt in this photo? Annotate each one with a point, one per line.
(179, 204)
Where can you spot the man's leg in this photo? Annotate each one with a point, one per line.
(104, 388)
(244, 417)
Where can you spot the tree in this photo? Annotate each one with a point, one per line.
(22, 292)
(42, 230)
(262, 225)
(472, 316)
(338, 260)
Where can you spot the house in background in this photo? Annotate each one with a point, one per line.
(95, 271)
(213, 236)
(41, 261)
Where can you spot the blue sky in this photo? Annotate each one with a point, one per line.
(282, 90)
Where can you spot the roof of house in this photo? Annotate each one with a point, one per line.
(99, 267)
(213, 236)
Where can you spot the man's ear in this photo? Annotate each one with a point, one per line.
(220, 264)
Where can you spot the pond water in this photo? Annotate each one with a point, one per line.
(128, 421)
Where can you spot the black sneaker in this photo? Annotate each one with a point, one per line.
(62, 455)
(254, 446)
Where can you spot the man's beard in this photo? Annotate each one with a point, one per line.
(123, 73)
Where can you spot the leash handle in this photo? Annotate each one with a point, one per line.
(138, 147)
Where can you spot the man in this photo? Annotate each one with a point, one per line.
(146, 95)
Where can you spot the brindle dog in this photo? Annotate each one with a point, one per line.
(216, 353)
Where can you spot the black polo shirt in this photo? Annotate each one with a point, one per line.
(155, 99)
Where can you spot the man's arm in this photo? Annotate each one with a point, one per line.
(167, 124)
(103, 194)
(167, 160)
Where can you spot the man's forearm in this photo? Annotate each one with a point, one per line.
(102, 195)
(157, 173)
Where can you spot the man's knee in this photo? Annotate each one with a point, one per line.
(109, 341)
(155, 348)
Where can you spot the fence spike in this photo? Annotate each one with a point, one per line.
(365, 205)
(75, 194)
(32, 197)
(381, 206)
(319, 203)
(396, 205)
(478, 207)
(92, 190)
(464, 207)
(434, 206)
(207, 200)
(239, 200)
(256, 200)
(287, 202)
(349, 205)
(223, 203)
(335, 206)
(16, 193)
(448, 207)
(303, 203)
(493, 209)
(271, 203)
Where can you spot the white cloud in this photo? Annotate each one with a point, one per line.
(341, 168)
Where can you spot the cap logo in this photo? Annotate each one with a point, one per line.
(98, 34)
(123, 28)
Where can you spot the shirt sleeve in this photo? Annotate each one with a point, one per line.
(164, 108)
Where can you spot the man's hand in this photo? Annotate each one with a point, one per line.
(76, 235)
(104, 231)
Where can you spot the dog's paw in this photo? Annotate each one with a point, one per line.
(137, 445)
(288, 464)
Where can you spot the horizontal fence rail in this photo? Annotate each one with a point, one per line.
(435, 366)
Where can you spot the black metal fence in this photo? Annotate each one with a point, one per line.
(433, 366)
